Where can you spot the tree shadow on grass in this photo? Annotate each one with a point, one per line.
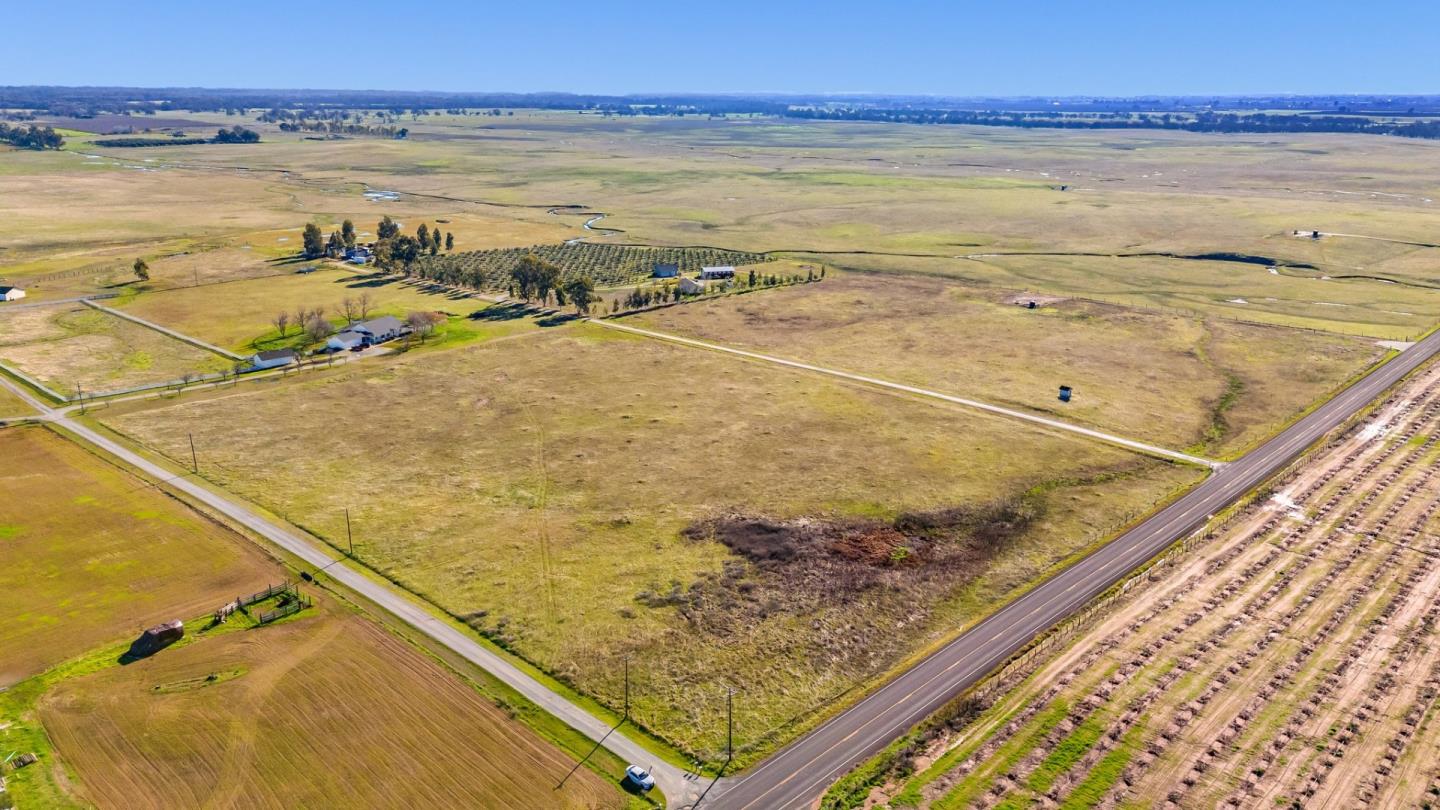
(508, 311)
(558, 319)
(371, 280)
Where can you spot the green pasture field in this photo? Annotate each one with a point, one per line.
(239, 315)
(538, 487)
(1209, 384)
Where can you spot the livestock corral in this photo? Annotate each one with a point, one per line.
(1290, 661)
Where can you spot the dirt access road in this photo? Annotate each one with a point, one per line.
(797, 775)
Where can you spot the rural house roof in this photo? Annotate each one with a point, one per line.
(275, 354)
(377, 326)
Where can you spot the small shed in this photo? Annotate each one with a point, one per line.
(689, 286)
(708, 273)
(665, 271)
(1065, 392)
(11, 293)
(157, 638)
(273, 358)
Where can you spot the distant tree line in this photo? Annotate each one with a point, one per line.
(236, 134)
(1188, 122)
(31, 137)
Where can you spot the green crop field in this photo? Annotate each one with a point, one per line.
(556, 490)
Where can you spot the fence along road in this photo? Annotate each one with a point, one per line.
(797, 775)
(672, 780)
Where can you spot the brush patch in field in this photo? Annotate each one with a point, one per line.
(793, 566)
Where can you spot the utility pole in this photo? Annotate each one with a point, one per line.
(194, 460)
(80, 395)
(729, 725)
(348, 536)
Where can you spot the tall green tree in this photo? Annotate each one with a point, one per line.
(422, 235)
(534, 278)
(142, 270)
(314, 240)
(449, 241)
(347, 233)
(581, 292)
(387, 229)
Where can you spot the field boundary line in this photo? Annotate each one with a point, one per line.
(196, 342)
(1109, 438)
(32, 382)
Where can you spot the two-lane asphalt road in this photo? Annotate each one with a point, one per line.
(797, 775)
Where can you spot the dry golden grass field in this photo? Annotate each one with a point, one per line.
(12, 405)
(1290, 661)
(325, 710)
(70, 345)
(541, 488)
(580, 497)
(981, 203)
(1209, 384)
(91, 554)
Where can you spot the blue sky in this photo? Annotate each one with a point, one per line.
(1119, 47)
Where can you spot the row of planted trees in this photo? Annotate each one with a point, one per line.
(642, 297)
